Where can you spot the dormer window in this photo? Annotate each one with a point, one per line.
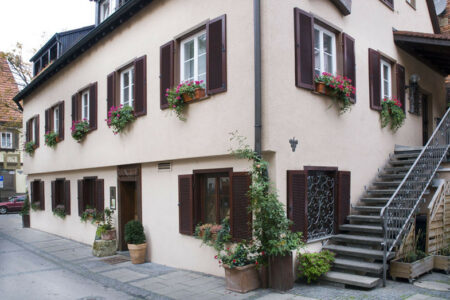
(107, 7)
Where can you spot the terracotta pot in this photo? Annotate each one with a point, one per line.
(321, 88)
(137, 253)
(198, 94)
(281, 272)
(26, 221)
(242, 279)
(109, 235)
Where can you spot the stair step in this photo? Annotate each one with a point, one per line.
(358, 252)
(407, 149)
(375, 200)
(381, 192)
(396, 169)
(358, 265)
(363, 218)
(368, 209)
(361, 228)
(352, 279)
(391, 176)
(387, 183)
(406, 155)
(357, 239)
(402, 162)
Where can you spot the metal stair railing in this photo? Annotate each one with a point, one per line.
(397, 213)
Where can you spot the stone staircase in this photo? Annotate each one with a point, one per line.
(359, 254)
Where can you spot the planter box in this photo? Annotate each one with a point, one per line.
(199, 93)
(411, 271)
(242, 279)
(320, 88)
(281, 272)
(26, 221)
(442, 263)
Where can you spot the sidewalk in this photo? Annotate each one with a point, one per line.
(37, 263)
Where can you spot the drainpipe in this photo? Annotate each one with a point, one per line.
(257, 47)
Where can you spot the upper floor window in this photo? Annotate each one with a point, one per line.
(127, 87)
(386, 81)
(324, 51)
(193, 58)
(32, 130)
(105, 9)
(6, 140)
(56, 119)
(85, 105)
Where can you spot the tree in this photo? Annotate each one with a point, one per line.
(21, 70)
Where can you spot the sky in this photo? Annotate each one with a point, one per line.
(34, 22)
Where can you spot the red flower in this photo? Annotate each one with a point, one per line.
(234, 261)
(215, 257)
(256, 262)
(262, 253)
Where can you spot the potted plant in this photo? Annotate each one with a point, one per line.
(105, 230)
(337, 87)
(30, 147)
(214, 235)
(313, 265)
(271, 227)
(60, 211)
(442, 260)
(25, 213)
(119, 117)
(392, 113)
(51, 138)
(183, 93)
(240, 267)
(80, 129)
(135, 238)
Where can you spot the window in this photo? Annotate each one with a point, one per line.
(56, 119)
(32, 130)
(127, 87)
(90, 194)
(85, 105)
(105, 9)
(61, 195)
(215, 197)
(37, 194)
(193, 58)
(386, 81)
(6, 140)
(324, 51)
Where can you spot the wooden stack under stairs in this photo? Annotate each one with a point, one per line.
(359, 255)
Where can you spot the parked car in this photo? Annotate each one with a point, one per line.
(14, 203)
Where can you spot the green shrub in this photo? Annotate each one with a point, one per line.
(25, 211)
(134, 233)
(314, 265)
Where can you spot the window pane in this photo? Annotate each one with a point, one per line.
(210, 200)
(202, 44)
(316, 39)
(202, 65)
(126, 79)
(189, 50)
(327, 44)
(386, 88)
(224, 194)
(126, 96)
(385, 72)
(189, 70)
(328, 63)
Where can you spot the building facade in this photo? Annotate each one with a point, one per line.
(173, 174)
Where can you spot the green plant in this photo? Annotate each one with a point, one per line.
(444, 251)
(339, 88)
(30, 147)
(91, 214)
(51, 138)
(214, 235)
(242, 254)
(25, 211)
(314, 265)
(106, 223)
(392, 113)
(134, 233)
(175, 96)
(36, 205)
(119, 117)
(416, 253)
(80, 129)
(60, 211)
(271, 227)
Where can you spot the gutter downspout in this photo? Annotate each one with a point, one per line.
(257, 48)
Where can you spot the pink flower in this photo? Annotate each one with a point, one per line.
(174, 106)
(167, 90)
(178, 98)
(167, 95)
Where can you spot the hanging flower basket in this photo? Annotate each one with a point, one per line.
(337, 87)
(183, 93)
(80, 129)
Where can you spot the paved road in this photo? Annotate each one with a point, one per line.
(37, 265)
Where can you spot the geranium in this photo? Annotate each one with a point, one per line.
(119, 117)
(392, 113)
(80, 129)
(242, 254)
(340, 88)
(175, 96)
(51, 138)
(30, 147)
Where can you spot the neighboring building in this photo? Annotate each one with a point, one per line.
(171, 174)
(10, 136)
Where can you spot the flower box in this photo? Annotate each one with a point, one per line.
(442, 263)
(321, 88)
(242, 279)
(109, 235)
(198, 94)
(412, 270)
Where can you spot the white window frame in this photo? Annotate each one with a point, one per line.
(33, 130)
(183, 42)
(85, 104)
(131, 77)
(9, 137)
(385, 63)
(323, 31)
(56, 119)
(111, 8)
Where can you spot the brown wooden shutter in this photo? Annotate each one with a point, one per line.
(110, 91)
(53, 195)
(304, 49)
(166, 69)
(27, 131)
(16, 134)
(36, 128)
(61, 121)
(93, 106)
(297, 202)
(140, 86)
(240, 216)
(32, 191)
(41, 195)
(67, 197)
(100, 195)
(401, 92)
(374, 80)
(186, 204)
(216, 56)
(343, 198)
(348, 45)
(80, 197)
(47, 125)
(75, 116)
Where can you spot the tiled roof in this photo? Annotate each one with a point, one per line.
(442, 36)
(8, 89)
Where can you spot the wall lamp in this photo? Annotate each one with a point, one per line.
(413, 85)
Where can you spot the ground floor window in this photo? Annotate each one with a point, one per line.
(37, 194)
(61, 195)
(215, 197)
(90, 194)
